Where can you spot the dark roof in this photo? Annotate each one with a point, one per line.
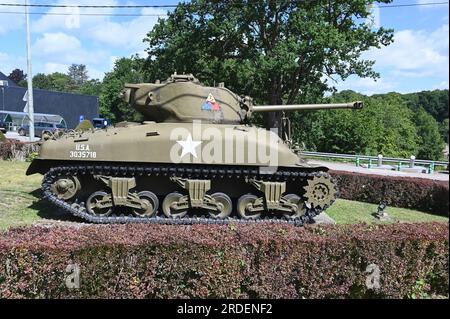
(5, 78)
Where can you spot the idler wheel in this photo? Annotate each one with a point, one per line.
(320, 192)
(224, 205)
(149, 204)
(244, 205)
(301, 207)
(99, 204)
(169, 206)
(66, 187)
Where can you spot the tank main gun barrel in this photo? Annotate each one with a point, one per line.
(304, 107)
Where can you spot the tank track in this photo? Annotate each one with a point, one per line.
(79, 209)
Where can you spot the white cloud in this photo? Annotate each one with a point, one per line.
(103, 29)
(367, 86)
(56, 43)
(94, 73)
(425, 5)
(60, 48)
(95, 40)
(9, 62)
(9, 22)
(417, 60)
(72, 22)
(129, 33)
(415, 53)
(441, 86)
(55, 67)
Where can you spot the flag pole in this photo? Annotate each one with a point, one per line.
(29, 77)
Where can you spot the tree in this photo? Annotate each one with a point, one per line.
(276, 51)
(91, 87)
(443, 129)
(126, 70)
(42, 81)
(78, 73)
(433, 102)
(53, 82)
(431, 143)
(384, 126)
(17, 76)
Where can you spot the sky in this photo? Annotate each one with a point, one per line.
(417, 60)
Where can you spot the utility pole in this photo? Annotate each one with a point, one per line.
(29, 76)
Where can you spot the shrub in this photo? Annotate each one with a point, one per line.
(84, 125)
(234, 261)
(15, 150)
(2, 137)
(32, 156)
(408, 192)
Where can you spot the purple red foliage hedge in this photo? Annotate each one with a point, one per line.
(233, 261)
(415, 193)
(15, 150)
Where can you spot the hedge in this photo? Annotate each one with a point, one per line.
(16, 150)
(408, 192)
(230, 261)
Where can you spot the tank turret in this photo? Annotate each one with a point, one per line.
(182, 98)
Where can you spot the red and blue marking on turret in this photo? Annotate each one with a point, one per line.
(210, 104)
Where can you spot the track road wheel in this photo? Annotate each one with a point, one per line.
(320, 192)
(99, 204)
(225, 206)
(66, 187)
(301, 207)
(149, 204)
(168, 206)
(244, 204)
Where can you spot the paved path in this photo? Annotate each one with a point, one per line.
(16, 136)
(350, 167)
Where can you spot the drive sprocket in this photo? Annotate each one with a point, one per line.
(320, 192)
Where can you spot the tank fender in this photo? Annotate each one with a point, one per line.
(36, 166)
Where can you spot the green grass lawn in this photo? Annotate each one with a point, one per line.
(20, 203)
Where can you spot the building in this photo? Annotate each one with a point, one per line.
(68, 105)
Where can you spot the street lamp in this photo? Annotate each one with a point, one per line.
(29, 77)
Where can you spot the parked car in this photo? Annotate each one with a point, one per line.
(40, 128)
(3, 126)
(100, 122)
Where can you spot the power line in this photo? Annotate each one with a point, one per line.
(147, 6)
(87, 14)
(175, 5)
(412, 4)
(87, 6)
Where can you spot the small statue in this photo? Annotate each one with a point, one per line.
(381, 214)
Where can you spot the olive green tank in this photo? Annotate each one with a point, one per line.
(194, 159)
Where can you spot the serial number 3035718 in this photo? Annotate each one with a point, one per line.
(82, 154)
(82, 151)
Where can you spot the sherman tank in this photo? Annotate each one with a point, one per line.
(194, 159)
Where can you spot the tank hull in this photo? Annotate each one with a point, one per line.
(173, 143)
(181, 173)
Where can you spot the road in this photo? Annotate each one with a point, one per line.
(351, 167)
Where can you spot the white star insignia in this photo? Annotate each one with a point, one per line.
(189, 146)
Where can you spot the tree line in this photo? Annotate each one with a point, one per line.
(282, 52)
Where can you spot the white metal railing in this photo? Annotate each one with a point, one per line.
(429, 165)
